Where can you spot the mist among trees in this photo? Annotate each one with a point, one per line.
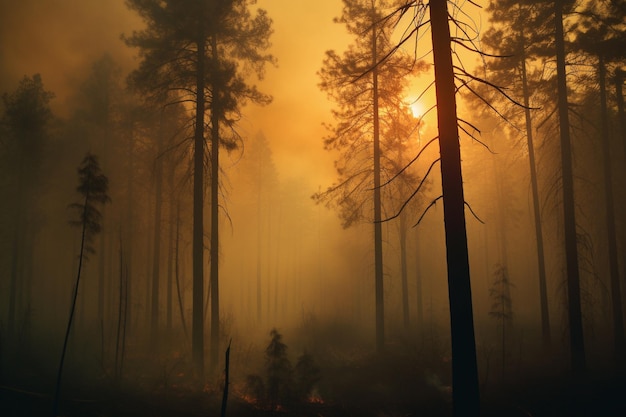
(361, 207)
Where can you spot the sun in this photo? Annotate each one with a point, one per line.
(416, 110)
(416, 107)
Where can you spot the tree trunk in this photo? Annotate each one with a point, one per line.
(378, 234)
(101, 286)
(616, 294)
(419, 304)
(179, 295)
(259, 309)
(577, 346)
(171, 247)
(13, 284)
(216, 112)
(130, 227)
(541, 265)
(156, 255)
(57, 390)
(465, 391)
(17, 253)
(197, 331)
(403, 271)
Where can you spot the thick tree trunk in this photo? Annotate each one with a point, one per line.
(465, 391)
(197, 328)
(577, 345)
(616, 294)
(541, 264)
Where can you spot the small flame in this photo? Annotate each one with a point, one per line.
(315, 398)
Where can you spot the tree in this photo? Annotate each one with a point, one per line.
(258, 181)
(93, 187)
(577, 343)
(366, 83)
(401, 131)
(502, 306)
(510, 38)
(195, 48)
(465, 390)
(27, 117)
(601, 34)
(278, 369)
(97, 120)
(466, 398)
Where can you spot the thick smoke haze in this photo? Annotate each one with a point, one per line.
(61, 39)
(286, 261)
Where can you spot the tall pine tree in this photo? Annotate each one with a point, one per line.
(199, 49)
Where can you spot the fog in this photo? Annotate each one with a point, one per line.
(286, 262)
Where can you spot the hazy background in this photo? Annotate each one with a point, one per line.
(310, 266)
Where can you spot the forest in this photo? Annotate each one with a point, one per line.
(374, 208)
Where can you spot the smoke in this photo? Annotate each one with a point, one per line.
(60, 39)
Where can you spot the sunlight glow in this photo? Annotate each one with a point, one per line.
(416, 107)
(416, 110)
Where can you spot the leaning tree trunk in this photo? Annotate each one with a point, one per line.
(465, 391)
(577, 345)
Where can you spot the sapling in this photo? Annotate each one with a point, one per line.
(93, 187)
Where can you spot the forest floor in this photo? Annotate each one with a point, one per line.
(412, 378)
(369, 387)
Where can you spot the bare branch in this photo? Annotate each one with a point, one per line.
(473, 213)
(408, 200)
(432, 203)
(409, 163)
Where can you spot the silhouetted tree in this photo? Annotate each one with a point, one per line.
(26, 120)
(93, 187)
(601, 34)
(465, 393)
(510, 38)
(365, 82)
(195, 48)
(577, 343)
(96, 121)
(465, 390)
(278, 370)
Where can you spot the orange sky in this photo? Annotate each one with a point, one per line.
(61, 38)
